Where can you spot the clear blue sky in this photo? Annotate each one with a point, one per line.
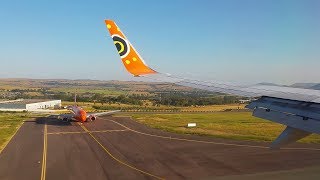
(233, 40)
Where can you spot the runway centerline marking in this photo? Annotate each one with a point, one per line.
(207, 142)
(116, 159)
(44, 154)
(83, 132)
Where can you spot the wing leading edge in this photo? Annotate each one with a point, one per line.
(298, 109)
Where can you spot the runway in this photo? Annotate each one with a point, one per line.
(120, 148)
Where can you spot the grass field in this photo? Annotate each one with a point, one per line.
(9, 122)
(231, 125)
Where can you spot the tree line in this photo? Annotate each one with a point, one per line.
(174, 98)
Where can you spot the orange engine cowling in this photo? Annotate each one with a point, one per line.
(91, 118)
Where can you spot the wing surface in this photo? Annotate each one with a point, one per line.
(103, 113)
(62, 116)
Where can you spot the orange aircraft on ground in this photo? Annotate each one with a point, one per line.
(80, 115)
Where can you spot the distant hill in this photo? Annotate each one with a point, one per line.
(268, 84)
(128, 86)
(317, 87)
(305, 85)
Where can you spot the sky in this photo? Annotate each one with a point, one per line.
(228, 40)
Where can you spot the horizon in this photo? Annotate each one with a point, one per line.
(269, 41)
(142, 81)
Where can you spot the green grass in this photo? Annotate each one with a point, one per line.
(230, 125)
(9, 122)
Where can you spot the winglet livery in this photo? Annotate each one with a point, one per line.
(130, 57)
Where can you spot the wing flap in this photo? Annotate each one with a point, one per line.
(300, 115)
(289, 135)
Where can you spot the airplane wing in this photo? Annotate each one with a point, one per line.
(298, 109)
(62, 116)
(90, 116)
(102, 113)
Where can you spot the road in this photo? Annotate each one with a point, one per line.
(120, 148)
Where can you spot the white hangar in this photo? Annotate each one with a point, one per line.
(29, 104)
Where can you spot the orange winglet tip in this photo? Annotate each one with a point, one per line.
(129, 56)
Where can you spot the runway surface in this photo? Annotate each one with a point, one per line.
(120, 148)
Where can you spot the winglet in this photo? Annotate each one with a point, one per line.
(130, 57)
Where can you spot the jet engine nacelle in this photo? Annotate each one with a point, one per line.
(66, 119)
(91, 118)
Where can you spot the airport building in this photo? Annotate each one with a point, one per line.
(29, 104)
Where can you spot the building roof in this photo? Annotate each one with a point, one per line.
(25, 101)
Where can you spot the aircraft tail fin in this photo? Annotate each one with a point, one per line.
(75, 99)
(130, 57)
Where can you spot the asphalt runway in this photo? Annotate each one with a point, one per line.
(120, 148)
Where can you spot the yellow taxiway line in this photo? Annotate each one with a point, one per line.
(116, 159)
(44, 154)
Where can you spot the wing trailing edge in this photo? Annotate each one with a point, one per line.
(289, 135)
